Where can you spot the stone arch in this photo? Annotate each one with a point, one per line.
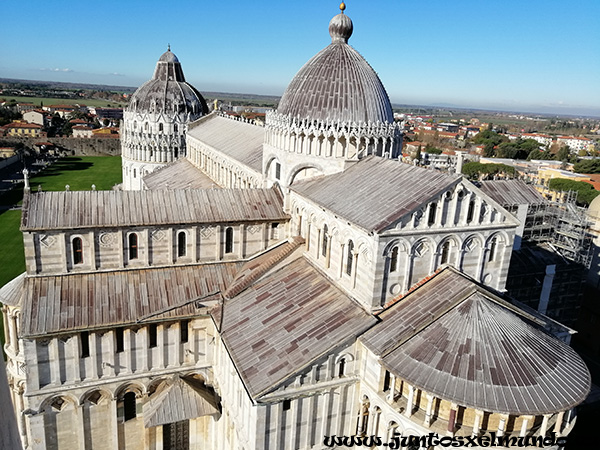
(58, 402)
(312, 170)
(453, 255)
(400, 243)
(95, 396)
(133, 386)
(502, 235)
(157, 385)
(475, 237)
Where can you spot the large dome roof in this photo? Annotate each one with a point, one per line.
(337, 84)
(168, 91)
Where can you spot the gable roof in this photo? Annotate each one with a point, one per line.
(234, 138)
(181, 174)
(86, 209)
(284, 322)
(453, 339)
(375, 192)
(87, 301)
(511, 192)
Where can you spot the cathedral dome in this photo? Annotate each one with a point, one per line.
(168, 91)
(337, 84)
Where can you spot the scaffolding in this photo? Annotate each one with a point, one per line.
(562, 224)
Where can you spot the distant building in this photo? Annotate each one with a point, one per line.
(82, 131)
(36, 116)
(575, 143)
(23, 129)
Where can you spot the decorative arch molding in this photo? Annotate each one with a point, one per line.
(137, 388)
(501, 235)
(61, 400)
(294, 171)
(89, 396)
(402, 245)
(156, 384)
(452, 238)
(417, 246)
(476, 238)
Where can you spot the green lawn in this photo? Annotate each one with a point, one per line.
(79, 173)
(47, 101)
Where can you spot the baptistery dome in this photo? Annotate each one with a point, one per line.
(337, 84)
(168, 91)
(156, 120)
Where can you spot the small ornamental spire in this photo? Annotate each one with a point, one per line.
(342, 7)
(168, 47)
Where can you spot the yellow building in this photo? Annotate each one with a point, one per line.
(22, 128)
(545, 174)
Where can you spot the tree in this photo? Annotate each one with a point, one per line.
(563, 154)
(585, 191)
(478, 171)
(587, 166)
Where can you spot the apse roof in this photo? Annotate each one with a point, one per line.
(457, 341)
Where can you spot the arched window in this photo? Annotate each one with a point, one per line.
(133, 246)
(431, 216)
(175, 128)
(325, 241)
(363, 417)
(277, 171)
(160, 127)
(229, 240)
(350, 257)
(394, 260)
(445, 252)
(181, 244)
(77, 251)
(387, 381)
(129, 407)
(471, 211)
(493, 246)
(342, 367)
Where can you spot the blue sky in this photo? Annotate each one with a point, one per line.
(527, 55)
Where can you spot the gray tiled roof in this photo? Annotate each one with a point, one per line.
(375, 192)
(167, 91)
(512, 192)
(12, 292)
(477, 352)
(183, 400)
(239, 140)
(83, 209)
(286, 321)
(180, 174)
(63, 303)
(337, 84)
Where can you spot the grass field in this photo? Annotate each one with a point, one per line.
(79, 173)
(63, 101)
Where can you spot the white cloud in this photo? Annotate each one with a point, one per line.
(56, 69)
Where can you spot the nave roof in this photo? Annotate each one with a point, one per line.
(95, 209)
